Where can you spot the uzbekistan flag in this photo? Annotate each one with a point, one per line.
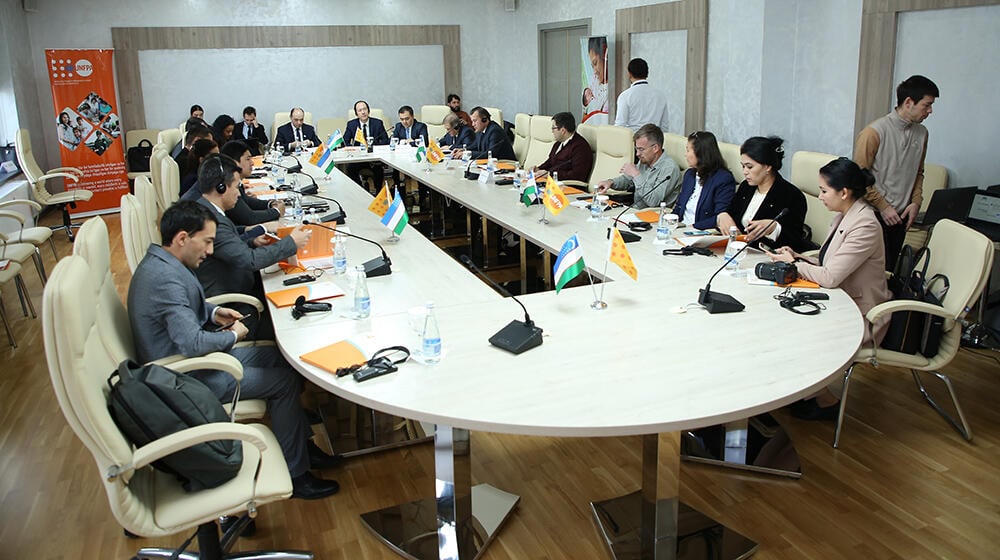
(380, 205)
(421, 154)
(530, 194)
(434, 153)
(359, 138)
(554, 199)
(317, 153)
(569, 264)
(619, 255)
(336, 140)
(323, 158)
(396, 218)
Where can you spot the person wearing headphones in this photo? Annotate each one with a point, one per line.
(656, 179)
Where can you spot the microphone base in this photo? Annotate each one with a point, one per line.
(377, 267)
(310, 189)
(517, 337)
(717, 302)
(337, 217)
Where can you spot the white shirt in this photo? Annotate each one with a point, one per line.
(755, 202)
(641, 104)
(692, 205)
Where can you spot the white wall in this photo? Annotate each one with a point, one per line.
(666, 54)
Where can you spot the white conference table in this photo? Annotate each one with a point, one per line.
(638, 367)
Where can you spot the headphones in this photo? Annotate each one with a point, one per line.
(302, 307)
(221, 187)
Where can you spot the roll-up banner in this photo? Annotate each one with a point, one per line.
(594, 74)
(88, 126)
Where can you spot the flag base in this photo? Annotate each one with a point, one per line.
(598, 305)
(392, 239)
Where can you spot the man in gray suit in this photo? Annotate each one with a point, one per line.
(169, 315)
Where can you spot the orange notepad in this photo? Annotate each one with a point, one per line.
(319, 244)
(312, 292)
(651, 216)
(258, 161)
(800, 283)
(571, 190)
(341, 354)
(500, 164)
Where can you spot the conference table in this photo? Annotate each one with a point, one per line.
(652, 363)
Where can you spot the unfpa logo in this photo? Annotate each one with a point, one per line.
(84, 67)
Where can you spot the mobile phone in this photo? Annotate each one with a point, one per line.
(697, 232)
(221, 328)
(812, 295)
(299, 280)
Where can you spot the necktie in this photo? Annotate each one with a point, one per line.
(246, 131)
(364, 130)
(298, 132)
(407, 134)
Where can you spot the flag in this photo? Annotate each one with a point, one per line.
(380, 205)
(421, 154)
(619, 255)
(359, 138)
(314, 158)
(323, 158)
(434, 153)
(530, 194)
(554, 198)
(395, 217)
(336, 140)
(569, 264)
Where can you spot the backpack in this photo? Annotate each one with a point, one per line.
(151, 401)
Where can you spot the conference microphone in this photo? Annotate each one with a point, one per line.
(340, 216)
(517, 336)
(291, 169)
(627, 236)
(379, 266)
(717, 302)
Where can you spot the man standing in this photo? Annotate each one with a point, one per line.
(251, 131)
(570, 156)
(169, 315)
(408, 129)
(641, 104)
(490, 137)
(370, 126)
(455, 102)
(656, 179)
(296, 134)
(894, 147)
(457, 133)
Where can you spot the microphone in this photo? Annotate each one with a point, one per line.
(627, 236)
(717, 302)
(517, 336)
(293, 169)
(379, 266)
(340, 216)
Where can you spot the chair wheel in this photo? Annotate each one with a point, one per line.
(130, 534)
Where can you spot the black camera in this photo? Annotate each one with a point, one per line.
(778, 272)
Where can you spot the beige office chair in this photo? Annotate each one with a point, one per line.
(13, 272)
(170, 182)
(540, 141)
(615, 148)
(675, 146)
(145, 501)
(283, 117)
(805, 176)
(135, 233)
(496, 115)
(589, 133)
(433, 116)
(145, 196)
(169, 138)
(731, 155)
(20, 253)
(132, 139)
(64, 200)
(965, 256)
(522, 136)
(326, 126)
(35, 235)
(156, 172)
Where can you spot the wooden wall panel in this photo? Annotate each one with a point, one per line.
(128, 41)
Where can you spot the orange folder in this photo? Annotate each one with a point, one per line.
(319, 244)
(800, 283)
(651, 216)
(312, 292)
(258, 161)
(500, 164)
(330, 358)
(571, 190)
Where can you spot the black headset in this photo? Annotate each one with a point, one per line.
(302, 307)
(221, 187)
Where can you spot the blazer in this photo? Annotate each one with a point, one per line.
(854, 261)
(781, 195)
(233, 267)
(286, 136)
(256, 138)
(168, 312)
(250, 210)
(573, 163)
(466, 136)
(492, 139)
(376, 129)
(418, 129)
(716, 194)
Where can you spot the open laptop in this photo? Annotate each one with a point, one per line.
(953, 204)
(984, 214)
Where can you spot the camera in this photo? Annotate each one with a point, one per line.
(778, 272)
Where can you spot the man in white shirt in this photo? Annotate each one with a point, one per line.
(641, 104)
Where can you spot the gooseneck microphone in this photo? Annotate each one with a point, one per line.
(717, 302)
(379, 266)
(627, 236)
(517, 336)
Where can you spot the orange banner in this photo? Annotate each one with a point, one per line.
(88, 124)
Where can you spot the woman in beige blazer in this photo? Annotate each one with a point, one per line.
(852, 258)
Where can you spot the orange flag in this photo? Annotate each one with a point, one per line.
(554, 198)
(380, 205)
(434, 153)
(314, 158)
(359, 138)
(619, 255)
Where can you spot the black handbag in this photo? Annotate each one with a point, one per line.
(138, 156)
(930, 340)
(914, 332)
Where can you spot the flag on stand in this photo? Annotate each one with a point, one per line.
(380, 205)
(619, 255)
(336, 140)
(317, 153)
(395, 217)
(554, 198)
(359, 138)
(569, 264)
(323, 158)
(530, 194)
(434, 153)
(421, 154)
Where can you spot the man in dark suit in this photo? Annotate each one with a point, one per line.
(408, 129)
(251, 131)
(457, 134)
(570, 156)
(370, 127)
(169, 315)
(296, 134)
(490, 137)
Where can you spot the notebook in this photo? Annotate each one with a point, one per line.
(952, 204)
(984, 214)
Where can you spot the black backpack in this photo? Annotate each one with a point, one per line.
(149, 402)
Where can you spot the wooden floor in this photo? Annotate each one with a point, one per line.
(903, 485)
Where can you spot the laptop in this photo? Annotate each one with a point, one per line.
(984, 214)
(952, 204)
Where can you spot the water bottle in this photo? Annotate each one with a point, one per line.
(596, 210)
(466, 156)
(490, 164)
(297, 208)
(431, 337)
(517, 176)
(362, 299)
(731, 264)
(339, 253)
(662, 229)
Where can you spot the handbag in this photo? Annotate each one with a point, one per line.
(930, 340)
(906, 328)
(138, 156)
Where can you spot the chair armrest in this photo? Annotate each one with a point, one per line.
(12, 215)
(578, 184)
(31, 203)
(48, 176)
(236, 298)
(74, 170)
(216, 360)
(882, 309)
(167, 445)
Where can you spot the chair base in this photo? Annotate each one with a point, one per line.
(211, 548)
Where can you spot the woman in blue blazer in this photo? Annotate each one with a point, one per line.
(708, 187)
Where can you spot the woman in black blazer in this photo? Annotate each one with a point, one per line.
(763, 195)
(708, 177)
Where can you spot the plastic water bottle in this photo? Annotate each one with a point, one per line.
(731, 249)
(297, 208)
(466, 156)
(362, 298)
(339, 253)
(490, 164)
(596, 211)
(517, 176)
(431, 337)
(662, 229)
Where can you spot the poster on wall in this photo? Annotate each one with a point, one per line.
(88, 126)
(594, 73)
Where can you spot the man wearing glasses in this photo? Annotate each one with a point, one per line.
(570, 156)
(656, 179)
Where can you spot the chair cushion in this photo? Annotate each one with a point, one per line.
(17, 252)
